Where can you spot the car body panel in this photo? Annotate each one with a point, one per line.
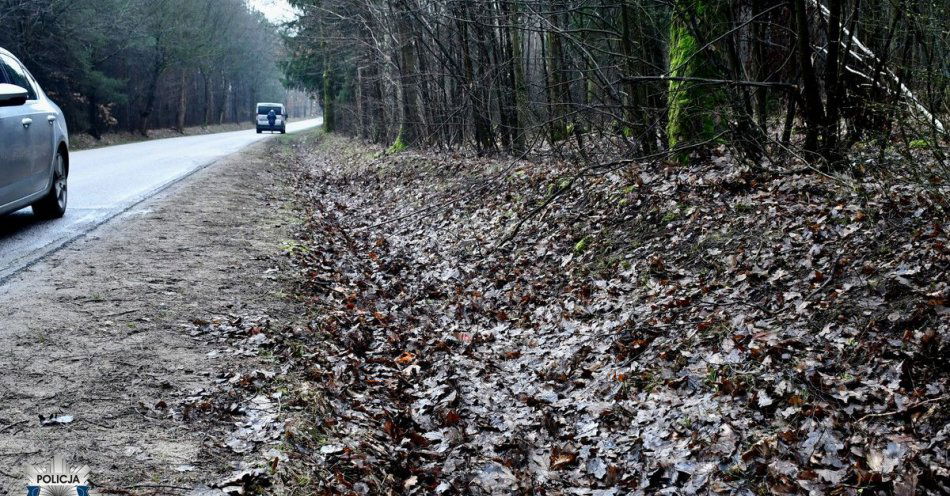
(15, 154)
(30, 135)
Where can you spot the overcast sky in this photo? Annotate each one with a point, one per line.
(275, 10)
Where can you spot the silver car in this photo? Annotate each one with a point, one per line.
(34, 144)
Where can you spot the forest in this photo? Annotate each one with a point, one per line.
(610, 247)
(135, 65)
(768, 79)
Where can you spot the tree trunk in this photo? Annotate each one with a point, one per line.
(690, 121)
(93, 109)
(151, 94)
(225, 101)
(479, 119)
(329, 107)
(558, 93)
(635, 125)
(814, 112)
(759, 63)
(832, 73)
(181, 114)
(360, 106)
(499, 52)
(519, 96)
(484, 78)
(407, 71)
(209, 98)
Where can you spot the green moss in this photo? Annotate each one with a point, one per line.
(675, 213)
(744, 208)
(582, 245)
(561, 185)
(919, 144)
(712, 377)
(560, 132)
(291, 247)
(682, 46)
(398, 146)
(691, 107)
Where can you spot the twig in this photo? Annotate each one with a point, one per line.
(811, 295)
(514, 232)
(19, 453)
(119, 314)
(5, 428)
(159, 486)
(97, 424)
(725, 82)
(830, 278)
(895, 412)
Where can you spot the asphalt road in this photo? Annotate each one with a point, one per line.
(106, 182)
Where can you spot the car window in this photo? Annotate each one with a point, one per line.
(36, 86)
(263, 110)
(17, 74)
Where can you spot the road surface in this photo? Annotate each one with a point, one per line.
(106, 182)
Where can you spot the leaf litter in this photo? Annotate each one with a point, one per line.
(658, 329)
(241, 411)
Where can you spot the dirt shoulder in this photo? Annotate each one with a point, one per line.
(145, 341)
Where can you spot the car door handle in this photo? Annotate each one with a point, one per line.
(51, 119)
(27, 122)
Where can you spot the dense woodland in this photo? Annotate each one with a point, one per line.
(810, 79)
(134, 65)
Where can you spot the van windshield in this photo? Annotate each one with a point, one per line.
(264, 110)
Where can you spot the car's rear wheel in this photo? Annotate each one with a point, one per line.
(53, 205)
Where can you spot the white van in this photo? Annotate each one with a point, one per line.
(264, 117)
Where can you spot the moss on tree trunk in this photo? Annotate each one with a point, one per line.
(692, 106)
(329, 120)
